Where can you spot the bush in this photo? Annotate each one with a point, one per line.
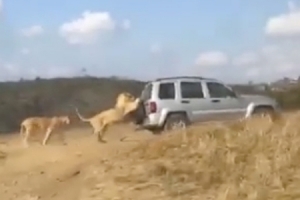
(42, 97)
(48, 97)
(289, 99)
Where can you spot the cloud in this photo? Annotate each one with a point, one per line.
(52, 55)
(253, 72)
(126, 24)
(121, 54)
(212, 59)
(248, 58)
(11, 68)
(273, 59)
(32, 31)
(1, 6)
(211, 64)
(87, 27)
(286, 24)
(25, 51)
(281, 58)
(9, 71)
(292, 6)
(266, 63)
(156, 48)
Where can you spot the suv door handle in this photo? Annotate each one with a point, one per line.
(185, 101)
(215, 100)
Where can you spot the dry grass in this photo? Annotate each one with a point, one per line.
(256, 159)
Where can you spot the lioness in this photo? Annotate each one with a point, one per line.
(124, 98)
(46, 124)
(101, 121)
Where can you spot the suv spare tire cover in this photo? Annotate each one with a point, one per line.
(140, 113)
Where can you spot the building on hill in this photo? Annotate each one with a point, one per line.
(284, 84)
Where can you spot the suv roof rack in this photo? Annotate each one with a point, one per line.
(183, 77)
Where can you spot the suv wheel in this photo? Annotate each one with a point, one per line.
(264, 111)
(175, 122)
(139, 114)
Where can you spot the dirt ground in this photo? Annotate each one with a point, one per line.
(256, 159)
(56, 171)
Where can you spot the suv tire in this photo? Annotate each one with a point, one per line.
(265, 111)
(175, 121)
(139, 114)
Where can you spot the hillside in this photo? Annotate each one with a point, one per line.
(58, 96)
(46, 97)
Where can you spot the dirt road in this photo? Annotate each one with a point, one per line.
(59, 171)
(252, 159)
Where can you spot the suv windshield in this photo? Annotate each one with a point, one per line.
(146, 93)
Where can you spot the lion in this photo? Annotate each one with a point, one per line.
(125, 104)
(46, 124)
(124, 98)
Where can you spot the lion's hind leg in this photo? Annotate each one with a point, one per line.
(100, 133)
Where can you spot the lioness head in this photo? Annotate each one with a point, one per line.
(124, 98)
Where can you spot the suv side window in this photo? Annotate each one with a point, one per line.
(218, 90)
(191, 90)
(166, 91)
(146, 94)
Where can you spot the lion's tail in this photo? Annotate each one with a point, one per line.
(81, 117)
(22, 130)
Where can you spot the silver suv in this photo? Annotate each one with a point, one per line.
(179, 101)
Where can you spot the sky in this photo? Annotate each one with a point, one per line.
(231, 40)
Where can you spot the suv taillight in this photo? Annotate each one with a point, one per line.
(152, 107)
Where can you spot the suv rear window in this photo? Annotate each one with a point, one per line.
(146, 93)
(166, 91)
(191, 90)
